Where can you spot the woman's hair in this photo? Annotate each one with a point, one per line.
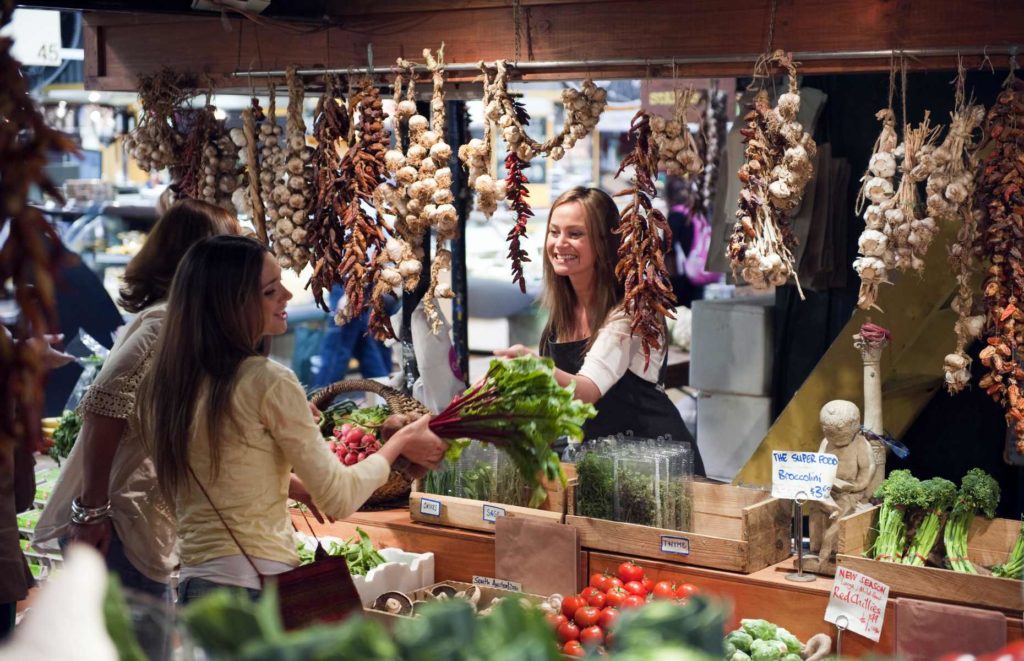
(214, 322)
(602, 217)
(149, 274)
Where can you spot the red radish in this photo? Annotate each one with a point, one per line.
(353, 436)
(360, 456)
(369, 439)
(350, 459)
(345, 427)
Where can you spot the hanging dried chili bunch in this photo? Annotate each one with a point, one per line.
(777, 170)
(677, 150)
(325, 232)
(643, 232)
(951, 199)
(26, 259)
(1001, 202)
(156, 142)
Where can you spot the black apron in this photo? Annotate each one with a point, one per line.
(633, 403)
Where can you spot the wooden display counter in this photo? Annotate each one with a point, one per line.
(459, 555)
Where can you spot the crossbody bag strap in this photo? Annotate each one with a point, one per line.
(223, 521)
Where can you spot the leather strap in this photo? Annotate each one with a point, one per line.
(223, 521)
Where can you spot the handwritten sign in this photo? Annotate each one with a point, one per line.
(676, 545)
(808, 474)
(498, 583)
(860, 600)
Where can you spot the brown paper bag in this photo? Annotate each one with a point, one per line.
(542, 556)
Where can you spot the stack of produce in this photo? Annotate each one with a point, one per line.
(62, 432)
(876, 254)
(760, 640)
(677, 150)
(156, 143)
(1000, 199)
(779, 165)
(293, 190)
(588, 621)
(357, 434)
(359, 552)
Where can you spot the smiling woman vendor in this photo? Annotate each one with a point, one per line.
(588, 334)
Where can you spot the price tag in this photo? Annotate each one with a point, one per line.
(860, 601)
(491, 513)
(676, 545)
(430, 507)
(809, 474)
(36, 34)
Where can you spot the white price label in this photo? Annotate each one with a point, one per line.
(857, 603)
(498, 583)
(36, 34)
(430, 507)
(809, 475)
(491, 513)
(676, 545)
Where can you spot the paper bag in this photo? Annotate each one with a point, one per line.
(542, 556)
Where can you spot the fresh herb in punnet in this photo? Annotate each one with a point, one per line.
(521, 409)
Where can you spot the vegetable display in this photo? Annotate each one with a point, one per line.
(760, 640)
(155, 144)
(779, 165)
(937, 497)
(899, 492)
(1014, 565)
(999, 198)
(875, 252)
(28, 258)
(644, 232)
(979, 493)
(520, 408)
(677, 150)
(65, 435)
(359, 553)
(293, 192)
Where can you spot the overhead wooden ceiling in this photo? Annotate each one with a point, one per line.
(699, 33)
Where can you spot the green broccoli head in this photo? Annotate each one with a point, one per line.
(767, 650)
(900, 488)
(793, 644)
(939, 494)
(759, 629)
(979, 492)
(738, 640)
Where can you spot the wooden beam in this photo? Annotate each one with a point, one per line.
(126, 45)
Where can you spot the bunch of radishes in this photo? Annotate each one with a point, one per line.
(354, 443)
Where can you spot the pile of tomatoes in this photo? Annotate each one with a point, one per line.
(586, 620)
(354, 444)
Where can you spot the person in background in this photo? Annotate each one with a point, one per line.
(588, 333)
(341, 343)
(227, 426)
(107, 496)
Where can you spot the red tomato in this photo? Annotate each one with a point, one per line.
(570, 604)
(664, 590)
(586, 616)
(632, 601)
(686, 590)
(573, 648)
(648, 584)
(615, 596)
(598, 600)
(555, 619)
(600, 581)
(589, 590)
(591, 637)
(636, 587)
(630, 572)
(568, 631)
(608, 617)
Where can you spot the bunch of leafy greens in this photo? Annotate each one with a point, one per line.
(359, 553)
(520, 408)
(228, 625)
(899, 492)
(938, 496)
(1014, 565)
(979, 492)
(64, 437)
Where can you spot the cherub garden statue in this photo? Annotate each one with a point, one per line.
(840, 424)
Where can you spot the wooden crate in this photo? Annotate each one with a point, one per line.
(735, 529)
(988, 543)
(481, 515)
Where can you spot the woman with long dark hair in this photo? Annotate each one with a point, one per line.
(588, 333)
(107, 495)
(228, 426)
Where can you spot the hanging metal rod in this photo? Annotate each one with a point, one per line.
(664, 61)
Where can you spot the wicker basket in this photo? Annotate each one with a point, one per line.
(398, 485)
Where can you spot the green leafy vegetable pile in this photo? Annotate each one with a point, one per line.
(760, 640)
(938, 495)
(1014, 565)
(358, 552)
(521, 409)
(64, 437)
(899, 491)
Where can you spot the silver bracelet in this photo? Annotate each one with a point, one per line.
(84, 516)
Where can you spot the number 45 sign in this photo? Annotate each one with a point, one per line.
(808, 475)
(36, 34)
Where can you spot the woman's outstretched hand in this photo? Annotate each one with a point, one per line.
(514, 351)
